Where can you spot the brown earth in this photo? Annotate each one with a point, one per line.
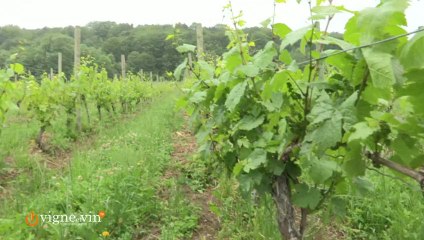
(208, 226)
(8, 173)
(184, 145)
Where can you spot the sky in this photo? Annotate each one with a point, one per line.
(33, 14)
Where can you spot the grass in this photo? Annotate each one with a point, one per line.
(118, 167)
(118, 172)
(392, 210)
(388, 208)
(243, 217)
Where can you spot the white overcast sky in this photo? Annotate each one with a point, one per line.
(34, 14)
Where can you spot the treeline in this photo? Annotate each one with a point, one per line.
(144, 46)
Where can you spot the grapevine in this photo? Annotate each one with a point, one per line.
(46, 99)
(304, 132)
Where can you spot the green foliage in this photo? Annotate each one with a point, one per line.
(186, 48)
(264, 117)
(367, 218)
(235, 95)
(119, 172)
(43, 99)
(243, 217)
(7, 91)
(145, 46)
(409, 57)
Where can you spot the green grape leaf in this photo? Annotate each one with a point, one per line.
(344, 62)
(169, 37)
(354, 163)
(411, 56)
(275, 167)
(286, 57)
(281, 30)
(321, 170)
(306, 197)
(266, 22)
(373, 24)
(322, 110)
(380, 67)
(322, 12)
(255, 159)
(332, 40)
(232, 59)
(264, 57)
(277, 100)
(219, 91)
(235, 95)
(362, 131)
(327, 134)
(198, 97)
(179, 71)
(248, 70)
(185, 48)
(17, 68)
(277, 83)
(406, 151)
(238, 167)
(359, 72)
(373, 94)
(250, 122)
(206, 70)
(377, 23)
(413, 88)
(250, 180)
(293, 37)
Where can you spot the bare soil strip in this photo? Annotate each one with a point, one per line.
(184, 147)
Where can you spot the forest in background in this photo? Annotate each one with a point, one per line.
(144, 46)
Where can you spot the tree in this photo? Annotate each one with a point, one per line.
(113, 46)
(42, 55)
(101, 29)
(10, 36)
(215, 40)
(38, 48)
(136, 61)
(101, 58)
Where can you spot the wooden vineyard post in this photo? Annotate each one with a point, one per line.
(77, 51)
(151, 76)
(59, 64)
(51, 73)
(190, 64)
(199, 34)
(123, 65)
(77, 65)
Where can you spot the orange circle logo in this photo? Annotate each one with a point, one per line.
(102, 214)
(31, 219)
